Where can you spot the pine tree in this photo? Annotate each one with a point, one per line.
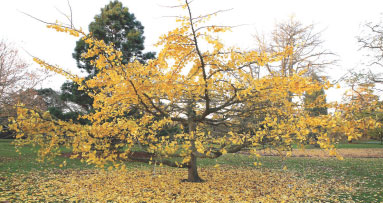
(115, 24)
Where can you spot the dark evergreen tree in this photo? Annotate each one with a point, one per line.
(317, 97)
(115, 24)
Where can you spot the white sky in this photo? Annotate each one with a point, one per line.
(341, 21)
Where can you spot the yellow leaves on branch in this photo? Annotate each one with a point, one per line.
(61, 28)
(360, 111)
(57, 70)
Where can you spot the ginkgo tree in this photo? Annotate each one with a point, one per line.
(196, 84)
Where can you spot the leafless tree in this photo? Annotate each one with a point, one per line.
(307, 47)
(371, 40)
(17, 81)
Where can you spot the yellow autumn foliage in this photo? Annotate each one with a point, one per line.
(195, 84)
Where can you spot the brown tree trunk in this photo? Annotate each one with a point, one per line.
(192, 170)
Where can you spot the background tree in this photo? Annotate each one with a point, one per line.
(115, 24)
(308, 54)
(371, 40)
(315, 104)
(361, 106)
(377, 132)
(17, 81)
(317, 98)
(199, 88)
(58, 108)
(363, 100)
(308, 50)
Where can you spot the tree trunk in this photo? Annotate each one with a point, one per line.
(192, 170)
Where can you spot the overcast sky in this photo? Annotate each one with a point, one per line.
(340, 21)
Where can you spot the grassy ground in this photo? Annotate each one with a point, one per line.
(364, 173)
(370, 144)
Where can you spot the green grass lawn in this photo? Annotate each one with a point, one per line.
(365, 173)
(13, 162)
(360, 145)
(354, 145)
